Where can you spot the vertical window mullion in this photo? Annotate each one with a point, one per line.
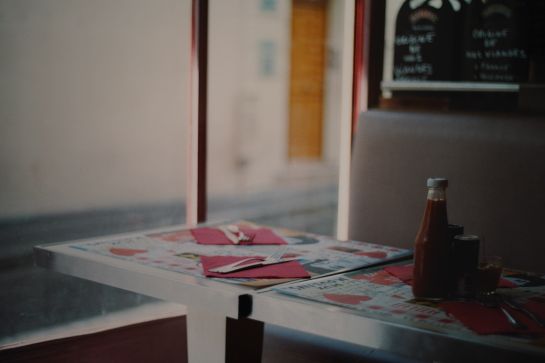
(196, 166)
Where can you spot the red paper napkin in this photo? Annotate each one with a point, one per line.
(291, 269)
(405, 274)
(213, 236)
(488, 320)
(504, 283)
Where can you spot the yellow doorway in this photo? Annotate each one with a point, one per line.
(308, 33)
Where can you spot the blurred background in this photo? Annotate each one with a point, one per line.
(94, 112)
(93, 131)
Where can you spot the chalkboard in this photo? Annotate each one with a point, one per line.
(495, 46)
(426, 40)
(536, 51)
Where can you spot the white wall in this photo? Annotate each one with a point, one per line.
(92, 103)
(335, 86)
(249, 111)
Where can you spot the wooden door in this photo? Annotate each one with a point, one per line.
(308, 32)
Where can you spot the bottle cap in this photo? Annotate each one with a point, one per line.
(467, 237)
(454, 230)
(437, 183)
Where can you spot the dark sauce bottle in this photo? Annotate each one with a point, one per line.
(432, 245)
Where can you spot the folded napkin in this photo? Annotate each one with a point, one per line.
(490, 320)
(214, 236)
(290, 269)
(405, 274)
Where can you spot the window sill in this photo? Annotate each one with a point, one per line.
(140, 314)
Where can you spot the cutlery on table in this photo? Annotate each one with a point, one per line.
(230, 235)
(517, 306)
(259, 261)
(242, 237)
(493, 300)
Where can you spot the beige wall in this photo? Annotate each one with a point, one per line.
(92, 103)
(334, 82)
(248, 111)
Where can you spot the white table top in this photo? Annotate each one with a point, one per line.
(268, 306)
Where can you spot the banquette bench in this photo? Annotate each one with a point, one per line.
(495, 164)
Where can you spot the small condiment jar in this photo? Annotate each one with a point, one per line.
(464, 264)
(453, 231)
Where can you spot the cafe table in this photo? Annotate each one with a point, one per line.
(225, 317)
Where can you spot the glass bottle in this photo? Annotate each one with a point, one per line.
(432, 245)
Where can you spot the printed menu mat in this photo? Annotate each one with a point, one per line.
(378, 294)
(177, 250)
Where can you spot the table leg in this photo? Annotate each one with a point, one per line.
(206, 334)
(213, 338)
(244, 340)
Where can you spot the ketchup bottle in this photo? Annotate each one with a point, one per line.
(432, 245)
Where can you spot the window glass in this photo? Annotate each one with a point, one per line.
(92, 142)
(472, 55)
(274, 99)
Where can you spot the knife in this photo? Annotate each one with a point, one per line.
(223, 270)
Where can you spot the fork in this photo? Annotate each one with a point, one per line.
(278, 254)
(242, 237)
(517, 306)
(494, 300)
(230, 235)
(239, 265)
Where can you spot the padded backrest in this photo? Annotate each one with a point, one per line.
(496, 170)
